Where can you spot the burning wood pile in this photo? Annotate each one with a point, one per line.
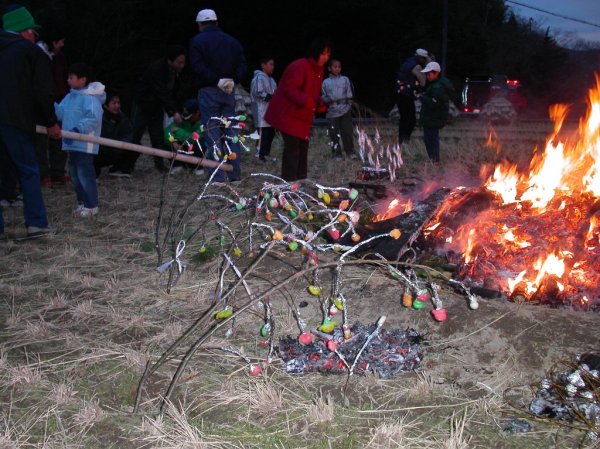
(532, 235)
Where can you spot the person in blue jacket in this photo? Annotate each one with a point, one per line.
(81, 112)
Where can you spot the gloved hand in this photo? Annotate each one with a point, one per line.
(268, 97)
(68, 141)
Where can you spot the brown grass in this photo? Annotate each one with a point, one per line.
(84, 311)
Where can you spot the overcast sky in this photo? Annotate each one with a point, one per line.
(585, 10)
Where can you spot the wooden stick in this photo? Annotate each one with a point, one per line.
(140, 149)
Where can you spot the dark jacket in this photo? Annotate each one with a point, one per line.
(58, 67)
(408, 84)
(59, 74)
(292, 108)
(157, 88)
(26, 86)
(435, 104)
(405, 74)
(214, 54)
(116, 126)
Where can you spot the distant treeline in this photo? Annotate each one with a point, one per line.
(120, 37)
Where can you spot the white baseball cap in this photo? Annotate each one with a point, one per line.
(206, 15)
(432, 67)
(422, 52)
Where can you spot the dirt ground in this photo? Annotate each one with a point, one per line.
(83, 311)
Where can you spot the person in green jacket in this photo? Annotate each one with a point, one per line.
(184, 137)
(435, 104)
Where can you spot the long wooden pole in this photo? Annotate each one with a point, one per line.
(140, 149)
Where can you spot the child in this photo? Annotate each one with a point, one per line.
(184, 137)
(81, 112)
(435, 104)
(262, 89)
(116, 126)
(337, 94)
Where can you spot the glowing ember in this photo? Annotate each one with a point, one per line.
(509, 237)
(538, 235)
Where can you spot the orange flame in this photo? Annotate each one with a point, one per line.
(493, 141)
(553, 265)
(470, 243)
(395, 208)
(554, 204)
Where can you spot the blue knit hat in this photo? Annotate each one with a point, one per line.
(19, 20)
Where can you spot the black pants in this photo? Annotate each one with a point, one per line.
(408, 117)
(108, 157)
(50, 157)
(431, 137)
(294, 164)
(267, 134)
(140, 120)
(341, 127)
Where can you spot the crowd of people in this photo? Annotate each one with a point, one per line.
(65, 97)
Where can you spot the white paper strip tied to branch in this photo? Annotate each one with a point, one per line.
(180, 263)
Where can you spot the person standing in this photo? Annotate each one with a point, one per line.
(218, 62)
(435, 104)
(27, 94)
(81, 112)
(410, 82)
(337, 94)
(262, 89)
(51, 158)
(154, 96)
(292, 109)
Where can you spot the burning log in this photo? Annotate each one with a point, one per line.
(411, 224)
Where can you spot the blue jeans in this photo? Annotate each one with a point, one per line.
(83, 177)
(20, 148)
(431, 137)
(216, 103)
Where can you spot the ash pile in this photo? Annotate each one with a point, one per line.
(572, 396)
(383, 353)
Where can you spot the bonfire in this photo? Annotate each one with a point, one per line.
(533, 234)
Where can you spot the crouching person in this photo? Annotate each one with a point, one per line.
(115, 126)
(81, 112)
(184, 137)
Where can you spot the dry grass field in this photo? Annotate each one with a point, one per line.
(83, 312)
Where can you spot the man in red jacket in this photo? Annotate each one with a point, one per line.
(292, 109)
